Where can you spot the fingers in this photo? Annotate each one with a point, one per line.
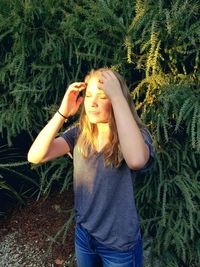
(74, 90)
(100, 84)
(77, 86)
(79, 101)
(106, 75)
(81, 86)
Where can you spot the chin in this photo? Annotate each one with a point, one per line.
(96, 120)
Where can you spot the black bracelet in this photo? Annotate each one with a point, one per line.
(62, 115)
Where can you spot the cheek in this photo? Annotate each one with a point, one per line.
(107, 107)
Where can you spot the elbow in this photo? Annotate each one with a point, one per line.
(32, 159)
(137, 164)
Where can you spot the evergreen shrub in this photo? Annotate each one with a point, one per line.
(45, 45)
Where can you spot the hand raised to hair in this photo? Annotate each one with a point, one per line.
(71, 100)
(109, 83)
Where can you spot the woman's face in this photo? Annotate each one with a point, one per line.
(97, 105)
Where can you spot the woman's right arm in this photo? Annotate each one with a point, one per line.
(46, 146)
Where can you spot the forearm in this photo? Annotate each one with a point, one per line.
(45, 138)
(132, 144)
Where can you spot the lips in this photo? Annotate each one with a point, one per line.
(93, 112)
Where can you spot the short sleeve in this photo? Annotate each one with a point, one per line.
(148, 140)
(70, 136)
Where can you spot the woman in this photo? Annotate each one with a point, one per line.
(109, 145)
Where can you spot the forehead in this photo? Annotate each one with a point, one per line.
(92, 85)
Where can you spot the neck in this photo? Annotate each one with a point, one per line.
(102, 130)
(102, 134)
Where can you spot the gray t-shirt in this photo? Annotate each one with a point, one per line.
(104, 196)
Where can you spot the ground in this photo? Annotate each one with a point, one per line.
(37, 223)
(26, 235)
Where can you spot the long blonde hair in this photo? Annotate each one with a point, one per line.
(86, 140)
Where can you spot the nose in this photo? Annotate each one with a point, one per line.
(94, 102)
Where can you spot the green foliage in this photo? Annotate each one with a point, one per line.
(155, 44)
(11, 174)
(168, 198)
(57, 172)
(62, 232)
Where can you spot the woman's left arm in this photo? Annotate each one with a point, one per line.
(134, 149)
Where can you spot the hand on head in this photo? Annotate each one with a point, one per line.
(72, 99)
(109, 83)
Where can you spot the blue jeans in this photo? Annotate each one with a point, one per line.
(91, 253)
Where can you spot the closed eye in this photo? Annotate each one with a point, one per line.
(100, 96)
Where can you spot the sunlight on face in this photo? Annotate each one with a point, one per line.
(97, 104)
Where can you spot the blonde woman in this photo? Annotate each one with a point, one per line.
(108, 145)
